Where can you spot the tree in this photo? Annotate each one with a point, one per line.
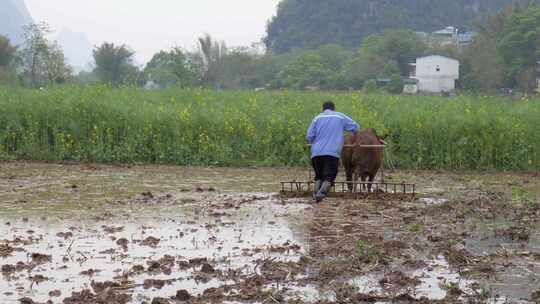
(335, 58)
(307, 24)
(306, 70)
(7, 52)
(86, 78)
(43, 60)
(172, 68)
(7, 55)
(505, 51)
(56, 67)
(384, 55)
(519, 45)
(211, 54)
(239, 69)
(269, 66)
(370, 86)
(114, 64)
(482, 65)
(396, 84)
(34, 52)
(400, 47)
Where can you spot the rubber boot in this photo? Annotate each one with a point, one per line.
(318, 184)
(323, 191)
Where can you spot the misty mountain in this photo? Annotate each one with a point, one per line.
(311, 23)
(13, 16)
(77, 49)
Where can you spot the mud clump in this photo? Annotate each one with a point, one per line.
(536, 296)
(207, 268)
(100, 287)
(64, 235)
(26, 300)
(197, 261)
(147, 194)
(123, 242)
(38, 278)
(5, 250)
(136, 269)
(8, 269)
(149, 198)
(215, 294)
(151, 242)
(184, 265)
(150, 283)
(514, 233)
(165, 265)
(108, 251)
(167, 260)
(112, 229)
(107, 297)
(160, 301)
(398, 280)
(458, 256)
(201, 189)
(90, 272)
(20, 266)
(38, 258)
(182, 295)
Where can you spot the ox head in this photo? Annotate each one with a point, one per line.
(380, 138)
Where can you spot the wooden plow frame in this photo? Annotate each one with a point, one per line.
(379, 190)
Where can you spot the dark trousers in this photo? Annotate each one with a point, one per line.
(326, 168)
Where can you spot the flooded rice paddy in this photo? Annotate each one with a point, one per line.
(77, 233)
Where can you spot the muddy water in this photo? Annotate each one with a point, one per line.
(231, 217)
(518, 270)
(183, 231)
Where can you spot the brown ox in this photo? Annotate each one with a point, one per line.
(363, 162)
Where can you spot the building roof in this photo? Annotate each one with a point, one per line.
(439, 56)
(449, 30)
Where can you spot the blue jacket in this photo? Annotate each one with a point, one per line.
(325, 133)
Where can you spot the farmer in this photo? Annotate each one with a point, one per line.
(325, 134)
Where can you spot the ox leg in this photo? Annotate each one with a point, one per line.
(371, 179)
(363, 186)
(355, 182)
(349, 173)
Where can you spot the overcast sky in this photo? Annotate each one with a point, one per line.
(151, 25)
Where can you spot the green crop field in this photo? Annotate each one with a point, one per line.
(200, 127)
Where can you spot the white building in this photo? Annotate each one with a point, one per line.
(449, 36)
(435, 74)
(446, 36)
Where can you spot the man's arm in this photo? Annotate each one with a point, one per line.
(310, 136)
(350, 125)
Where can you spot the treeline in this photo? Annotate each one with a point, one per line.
(312, 23)
(504, 54)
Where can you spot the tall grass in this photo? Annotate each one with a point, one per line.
(198, 127)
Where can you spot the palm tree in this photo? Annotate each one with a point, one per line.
(211, 54)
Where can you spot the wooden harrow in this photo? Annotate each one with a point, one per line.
(379, 190)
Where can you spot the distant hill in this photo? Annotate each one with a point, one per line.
(13, 16)
(311, 23)
(77, 49)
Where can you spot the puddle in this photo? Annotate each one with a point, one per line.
(436, 277)
(184, 232)
(514, 250)
(430, 285)
(433, 201)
